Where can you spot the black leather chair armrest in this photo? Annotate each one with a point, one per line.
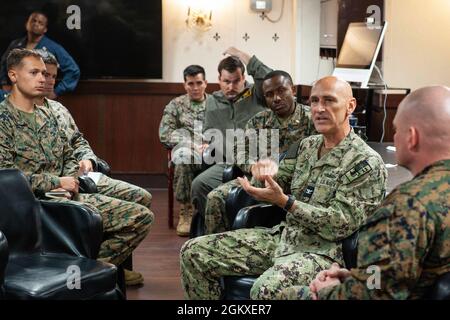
(440, 289)
(350, 250)
(87, 185)
(237, 287)
(231, 173)
(70, 228)
(259, 215)
(103, 167)
(4, 255)
(207, 155)
(237, 199)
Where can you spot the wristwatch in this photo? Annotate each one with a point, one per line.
(290, 202)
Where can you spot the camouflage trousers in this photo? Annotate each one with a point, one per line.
(124, 191)
(125, 223)
(204, 260)
(204, 183)
(215, 215)
(183, 176)
(296, 293)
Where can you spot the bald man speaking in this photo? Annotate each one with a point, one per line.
(406, 240)
(329, 184)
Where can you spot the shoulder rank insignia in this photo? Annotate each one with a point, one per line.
(357, 171)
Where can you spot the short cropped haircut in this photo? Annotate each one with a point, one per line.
(42, 13)
(16, 56)
(275, 73)
(193, 70)
(230, 64)
(48, 57)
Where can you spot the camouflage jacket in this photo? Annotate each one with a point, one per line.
(222, 114)
(43, 156)
(298, 126)
(82, 149)
(334, 194)
(408, 238)
(181, 113)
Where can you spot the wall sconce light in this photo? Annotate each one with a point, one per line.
(199, 19)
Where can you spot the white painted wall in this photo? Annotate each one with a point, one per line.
(307, 41)
(231, 20)
(416, 47)
(417, 43)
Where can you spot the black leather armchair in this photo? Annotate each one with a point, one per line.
(237, 199)
(46, 240)
(265, 215)
(4, 254)
(231, 173)
(103, 167)
(87, 185)
(441, 288)
(250, 215)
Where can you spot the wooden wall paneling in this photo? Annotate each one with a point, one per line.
(88, 113)
(120, 119)
(134, 122)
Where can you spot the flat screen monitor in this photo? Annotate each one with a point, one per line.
(359, 51)
(117, 39)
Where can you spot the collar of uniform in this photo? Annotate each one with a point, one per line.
(46, 106)
(336, 153)
(15, 114)
(42, 113)
(187, 100)
(441, 165)
(221, 97)
(293, 119)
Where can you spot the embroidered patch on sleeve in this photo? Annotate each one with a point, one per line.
(357, 171)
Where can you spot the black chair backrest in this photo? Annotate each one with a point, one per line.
(237, 199)
(103, 167)
(4, 254)
(350, 250)
(259, 215)
(440, 289)
(19, 212)
(87, 185)
(231, 173)
(77, 238)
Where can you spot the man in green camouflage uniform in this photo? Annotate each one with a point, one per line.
(336, 179)
(292, 122)
(229, 109)
(406, 242)
(32, 141)
(87, 160)
(181, 113)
